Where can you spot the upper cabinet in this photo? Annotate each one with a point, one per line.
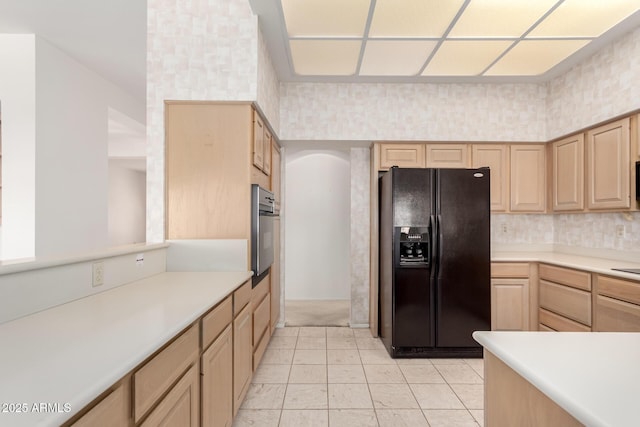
(608, 167)
(266, 149)
(496, 158)
(528, 187)
(447, 155)
(568, 173)
(258, 141)
(402, 155)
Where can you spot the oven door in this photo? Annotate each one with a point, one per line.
(263, 244)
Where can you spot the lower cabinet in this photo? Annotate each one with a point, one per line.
(217, 381)
(242, 356)
(510, 297)
(113, 410)
(617, 305)
(565, 299)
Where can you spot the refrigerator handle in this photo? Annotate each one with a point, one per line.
(433, 231)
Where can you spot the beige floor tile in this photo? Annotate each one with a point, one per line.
(362, 333)
(352, 418)
(264, 396)
(343, 357)
(376, 357)
(369, 344)
(439, 362)
(417, 361)
(384, 374)
(421, 374)
(472, 395)
(313, 331)
(392, 396)
(346, 374)
(304, 417)
(349, 396)
(310, 357)
(287, 343)
(311, 343)
(306, 396)
(339, 332)
(401, 418)
(341, 343)
(289, 331)
(436, 396)
(477, 365)
(276, 356)
(308, 374)
(449, 418)
(459, 374)
(257, 418)
(478, 414)
(271, 374)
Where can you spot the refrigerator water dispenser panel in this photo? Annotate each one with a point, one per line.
(413, 246)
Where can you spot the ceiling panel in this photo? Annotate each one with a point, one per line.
(585, 18)
(413, 18)
(534, 57)
(329, 18)
(465, 58)
(499, 18)
(395, 58)
(325, 57)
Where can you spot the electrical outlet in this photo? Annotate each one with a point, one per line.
(620, 231)
(98, 274)
(503, 227)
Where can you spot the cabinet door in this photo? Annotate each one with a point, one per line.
(402, 155)
(447, 155)
(112, 411)
(275, 275)
(527, 178)
(608, 169)
(613, 315)
(217, 382)
(568, 173)
(569, 302)
(258, 141)
(496, 158)
(242, 356)
(510, 304)
(275, 173)
(266, 160)
(179, 408)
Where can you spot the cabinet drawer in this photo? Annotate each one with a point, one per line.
(566, 276)
(618, 288)
(261, 319)
(565, 301)
(241, 297)
(156, 376)
(616, 316)
(509, 269)
(214, 322)
(558, 323)
(260, 290)
(111, 411)
(545, 328)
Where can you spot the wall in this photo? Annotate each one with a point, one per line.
(360, 235)
(127, 204)
(268, 96)
(18, 97)
(72, 104)
(316, 245)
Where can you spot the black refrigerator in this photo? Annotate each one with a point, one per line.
(434, 261)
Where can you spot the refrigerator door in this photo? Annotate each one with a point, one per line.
(463, 289)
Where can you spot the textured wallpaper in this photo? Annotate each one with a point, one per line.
(598, 231)
(447, 112)
(602, 87)
(268, 86)
(360, 225)
(196, 50)
(532, 229)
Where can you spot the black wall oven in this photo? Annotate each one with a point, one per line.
(262, 213)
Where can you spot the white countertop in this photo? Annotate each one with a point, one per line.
(71, 353)
(595, 376)
(595, 265)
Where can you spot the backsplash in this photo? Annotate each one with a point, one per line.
(529, 229)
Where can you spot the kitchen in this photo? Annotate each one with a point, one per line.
(596, 90)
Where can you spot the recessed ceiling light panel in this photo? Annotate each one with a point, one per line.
(413, 18)
(585, 18)
(465, 58)
(325, 18)
(499, 18)
(534, 57)
(325, 57)
(395, 58)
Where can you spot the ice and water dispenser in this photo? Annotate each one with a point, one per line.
(412, 246)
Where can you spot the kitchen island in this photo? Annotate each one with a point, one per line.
(571, 378)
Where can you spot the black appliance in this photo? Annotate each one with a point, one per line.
(434, 261)
(263, 210)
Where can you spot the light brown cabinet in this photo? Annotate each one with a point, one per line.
(565, 299)
(510, 296)
(402, 155)
(242, 356)
(258, 140)
(528, 189)
(617, 305)
(266, 158)
(447, 156)
(496, 158)
(608, 167)
(114, 410)
(217, 381)
(568, 174)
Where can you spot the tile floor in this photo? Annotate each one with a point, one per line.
(337, 376)
(317, 312)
